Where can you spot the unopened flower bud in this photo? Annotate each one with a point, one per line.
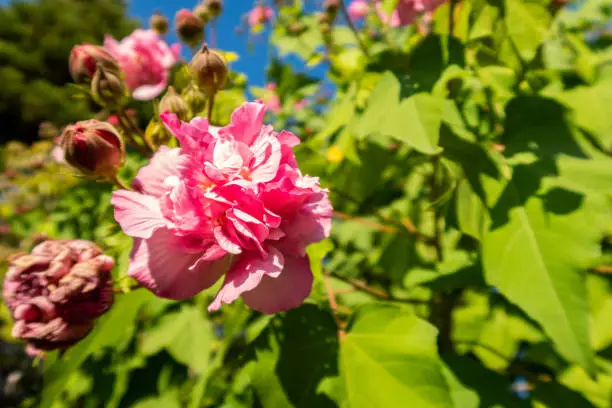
(93, 147)
(214, 6)
(202, 12)
(108, 88)
(47, 130)
(85, 59)
(209, 70)
(159, 23)
(331, 8)
(296, 28)
(189, 28)
(56, 292)
(157, 135)
(173, 103)
(195, 99)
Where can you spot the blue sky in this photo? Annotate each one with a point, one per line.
(253, 58)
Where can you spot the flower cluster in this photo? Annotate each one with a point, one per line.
(404, 13)
(56, 292)
(229, 202)
(260, 14)
(145, 59)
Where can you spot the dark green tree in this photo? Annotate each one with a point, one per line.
(35, 42)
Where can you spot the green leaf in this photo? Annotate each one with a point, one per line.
(382, 101)
(473, 385)
(536, 253)
(389, 359)
(584, 176)
(416, 122)
(527, 25)
(590, 110)
(296, 354)
(186, 334)
(111, 329)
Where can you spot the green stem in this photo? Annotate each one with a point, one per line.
(353, 28)
(211, 104)
(116, 181)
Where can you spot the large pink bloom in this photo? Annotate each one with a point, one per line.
(230, 202)
(260, 15)
(146, 60)
(406, 11)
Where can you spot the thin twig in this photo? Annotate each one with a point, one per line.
(331, 297)
(353, 28)
(377, 293)
(606, 269)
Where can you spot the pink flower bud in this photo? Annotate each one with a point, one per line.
(358, 9)
(93, 147)
(56, 292)
(84, 60)
(189, 28)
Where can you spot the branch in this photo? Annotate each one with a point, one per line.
(377, 293)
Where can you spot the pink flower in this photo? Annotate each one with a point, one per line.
(145, 59)
(56, 292)
(229, 202)
(358, 9)
(260, 15)
(406, 11)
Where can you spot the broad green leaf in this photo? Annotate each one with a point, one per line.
(471, 212)
(592, 176)
(416, 122)
(110, 330)
(536, 253)
(339, 115)
(590, 110)
(473, 385)
(527, 25)
(389, 359)
(297, 352)
(381, 103)
(186, 334)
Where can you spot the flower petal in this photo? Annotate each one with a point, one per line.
(155, 178)
(138, 214)
(246, 122)
(160, 265)
(148, 92)
(285, 292)
(246, 273)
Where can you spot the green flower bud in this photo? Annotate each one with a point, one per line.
(173, 103)
(108, 88)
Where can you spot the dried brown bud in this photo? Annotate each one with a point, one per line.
(296, 28)
(56, 292)
(214, 6)
(190, 29)
(173, 103)
(331, 8)
(209, 70)
(108, 88)
(93, 147)
(159, 23)
(85, 59)
(202, 12)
